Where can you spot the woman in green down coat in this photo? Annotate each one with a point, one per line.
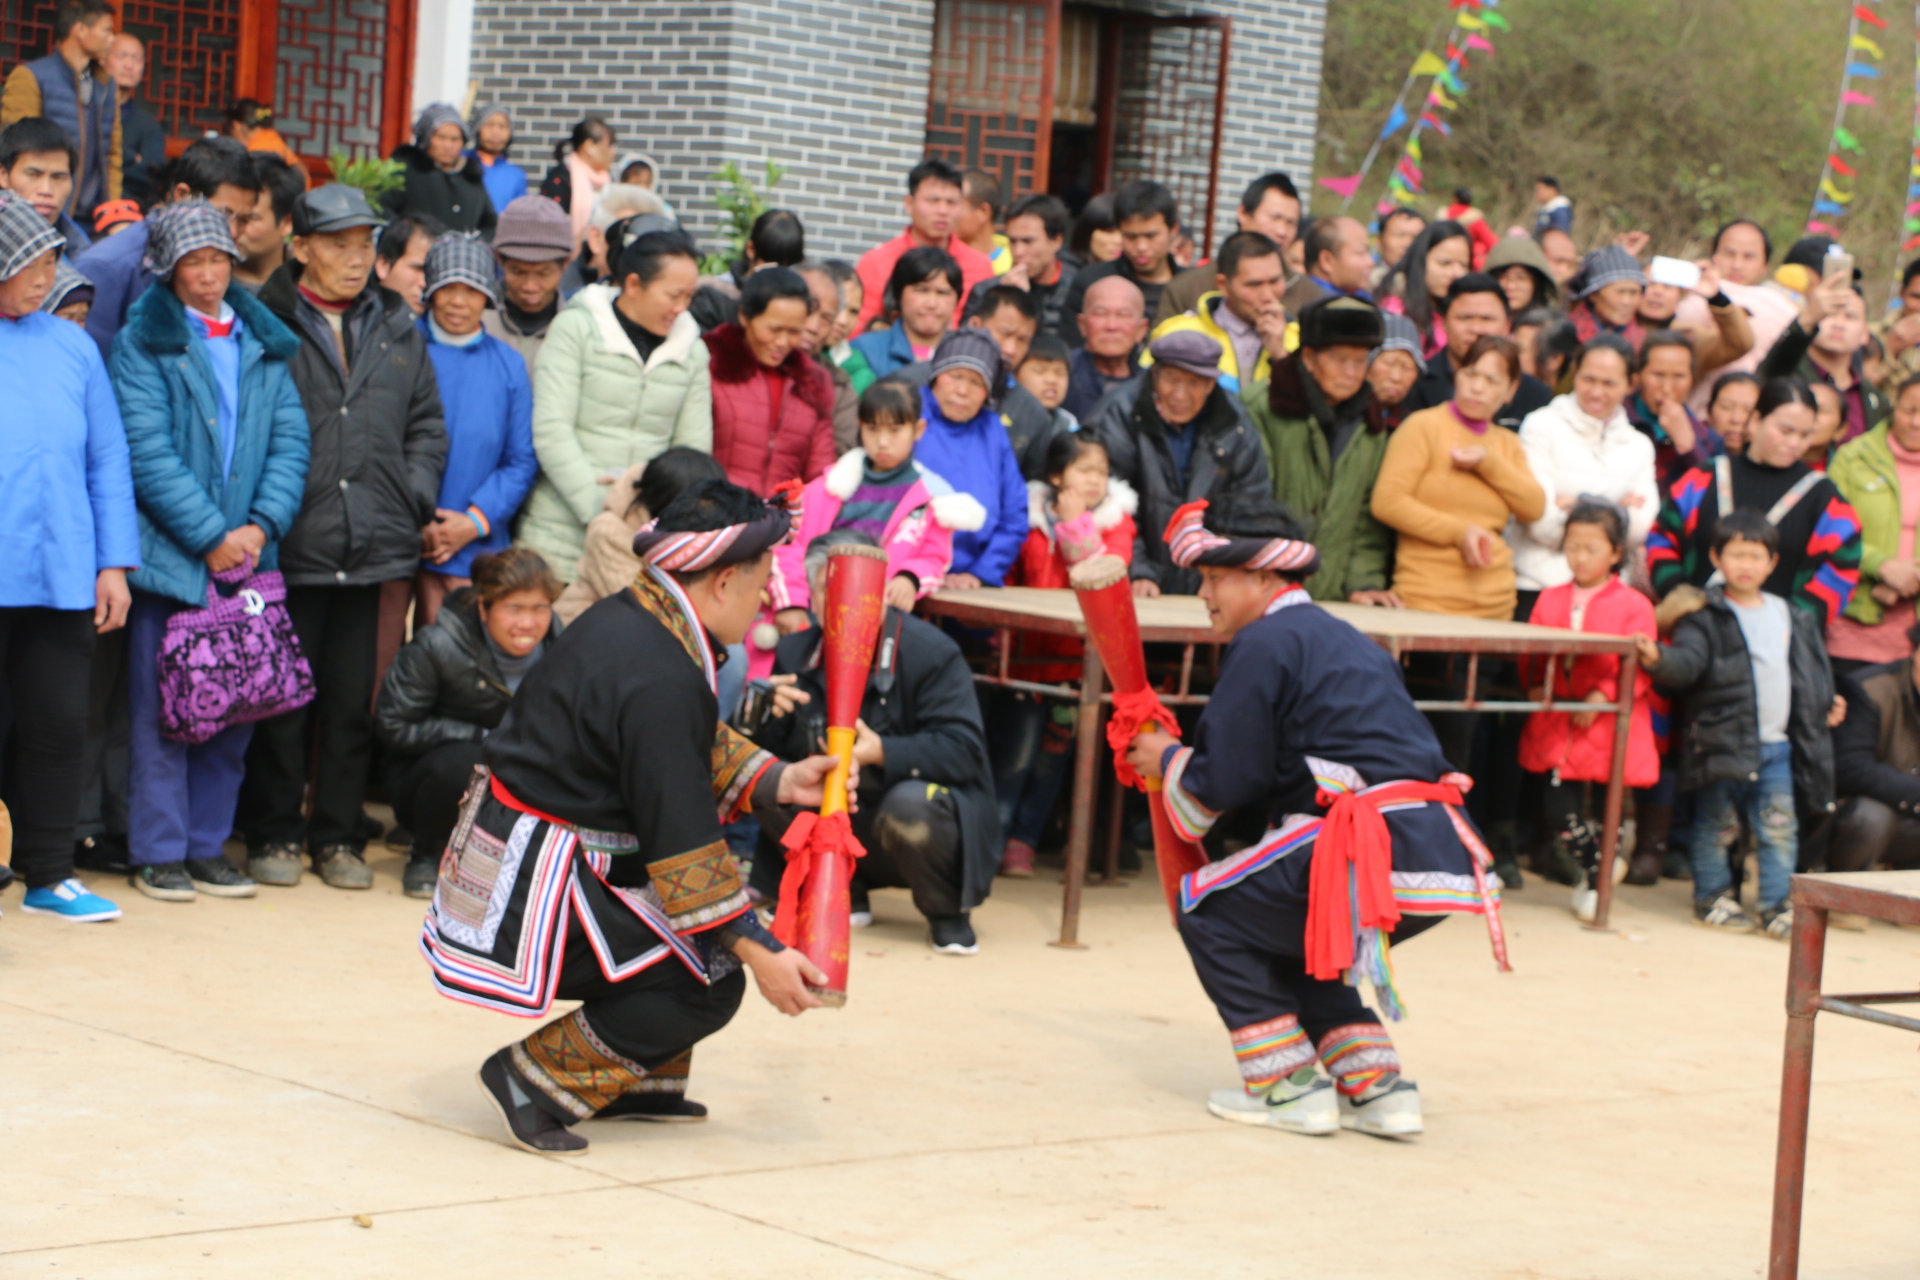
(622, 379)
(1325, 438)
(1879, 474)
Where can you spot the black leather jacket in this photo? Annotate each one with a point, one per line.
(444, 686)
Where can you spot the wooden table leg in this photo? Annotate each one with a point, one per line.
(1080, 826)
(1796, 1087)
(1616, 790)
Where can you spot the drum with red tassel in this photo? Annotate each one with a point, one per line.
(821, 850)
(1113, 629)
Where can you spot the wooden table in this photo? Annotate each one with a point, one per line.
(1882, 895)
(1182, 620)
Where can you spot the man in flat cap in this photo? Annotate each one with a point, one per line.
(1177, 435)
(1325, 437)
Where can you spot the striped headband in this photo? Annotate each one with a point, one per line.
(1190, 544)
(690, 551)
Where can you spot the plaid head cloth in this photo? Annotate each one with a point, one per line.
(67, 282)
(177, 229)
(458, 259)
(24, 236)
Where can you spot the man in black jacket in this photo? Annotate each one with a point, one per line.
(1475, 306)
(1177, 435)
(927, 815)
(1876, 768)
(379, 447)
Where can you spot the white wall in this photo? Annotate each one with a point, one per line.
(443, 53)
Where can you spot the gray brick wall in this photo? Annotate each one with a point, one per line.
(834, 90)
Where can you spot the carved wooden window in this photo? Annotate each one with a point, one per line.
(192, 59)
(1169, 91)
(990, 92)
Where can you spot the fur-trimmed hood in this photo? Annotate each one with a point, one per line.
(1681, 601)
(1120, 501)
(732, 361)
(960, 512)
(158, 323)
(1287, 395)
(597, 301)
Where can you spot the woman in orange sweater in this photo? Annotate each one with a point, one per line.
(1449, 483)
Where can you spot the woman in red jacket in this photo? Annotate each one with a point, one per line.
(1077, 512)
(772, 403)
(1576, 748)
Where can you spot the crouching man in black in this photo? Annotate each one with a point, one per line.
(926, 815)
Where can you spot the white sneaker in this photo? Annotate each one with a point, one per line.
(1586, 902)
(1390, 1109)
(1306, 1108)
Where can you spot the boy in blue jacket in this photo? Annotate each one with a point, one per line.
(966, 444)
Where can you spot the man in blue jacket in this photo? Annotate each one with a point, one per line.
(216, 169)
(967, 446)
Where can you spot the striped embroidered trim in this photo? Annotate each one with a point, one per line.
(525, 986)
(661, 596)
(574, 1067)
(669, 1077)
(1268, 1052)
(737, 767)
(1299, 831)
(1358, 1055)
(700, 888)
(1190, 818)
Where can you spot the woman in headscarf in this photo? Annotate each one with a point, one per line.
(1606, 293)
(492, 130)
(1524, 274)
(442, 181)
(1437, 257)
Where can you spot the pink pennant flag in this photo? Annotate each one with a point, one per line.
(1853, 99)
(1342, 187)
(1913, 210)
(1820, 229)
(1412, 172)
(1481, 43)
(1383, 207)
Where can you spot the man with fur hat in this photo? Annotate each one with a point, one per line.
(1325, 437)
(1368, 842)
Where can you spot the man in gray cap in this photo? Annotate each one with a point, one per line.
(1176, 435)
(1325, 437)
(533, 243)
(379, 448)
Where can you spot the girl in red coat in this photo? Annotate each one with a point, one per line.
(1078, 511)
(1576, 748)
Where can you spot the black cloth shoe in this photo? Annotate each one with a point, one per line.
(218, 877)
(953, 936)
(165, 881)
(528, 1126)
(421, 875)
(106, 852)
(658, 1108)
(399, 840)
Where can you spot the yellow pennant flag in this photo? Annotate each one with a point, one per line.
(1413, 150)
(1866, 45)
(1834, 193)
(1471, 23)
(1441, 98)
(1428, 64)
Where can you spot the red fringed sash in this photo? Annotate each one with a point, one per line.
(810, 836)
(1355, 834)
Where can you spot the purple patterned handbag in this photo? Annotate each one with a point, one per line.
(233, 662)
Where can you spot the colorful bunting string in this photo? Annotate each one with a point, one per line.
(1425, 65)
(1910, 224)
(1830, 198)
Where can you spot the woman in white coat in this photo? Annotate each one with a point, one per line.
(1582, 445)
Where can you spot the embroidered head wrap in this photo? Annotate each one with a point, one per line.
(1190, 543)
(692, 550)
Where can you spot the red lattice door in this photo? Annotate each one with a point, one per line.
(341, 72)
(1168, 90)
(193, 49)
(990, 91)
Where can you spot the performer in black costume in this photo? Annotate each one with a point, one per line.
(1367, 841)
(588, 862)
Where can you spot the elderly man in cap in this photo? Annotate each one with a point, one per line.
(379, 448)
(533, 242)
(488, 400)
(442, 181)
(1325, 436)
(1177, 435)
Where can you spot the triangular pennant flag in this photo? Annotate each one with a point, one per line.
(1472, 23)
(1497, 22)
(1383, 207)
(1866, 46)
(1440, 99)
(1913, 189)
(1413, 149)
(1428, 64)
(1395, 119)
(1852, 99)
(1463, 4)
(1452, 81)
(1453, 54)
(1819, 229)
(1342, 187)
(1845, 141)
(1829, 207)
(1866, 14)
(1433, 121)
(1909, 246)
(1411, 172)
(1911, 224)
(1913, 210)
(1863, 71)
(1480, 42)
(1841, 167)
(1835, 193)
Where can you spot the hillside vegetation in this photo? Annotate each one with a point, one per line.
(1669, 116)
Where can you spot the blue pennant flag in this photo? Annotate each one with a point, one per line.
(1829, 209)
(1863, 71)
(1394, 121)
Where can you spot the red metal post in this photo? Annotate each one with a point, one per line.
(1616, 785)
(1804, 968)
(1080, 825)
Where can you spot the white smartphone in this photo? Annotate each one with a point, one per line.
(1677, 272)
(1838, 266)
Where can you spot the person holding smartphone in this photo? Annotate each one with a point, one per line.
(1670, 282)
(1827, 343)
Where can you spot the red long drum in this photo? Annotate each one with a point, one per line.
(850, 619)
(1113, 629)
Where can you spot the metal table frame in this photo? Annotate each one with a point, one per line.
(987, 609)
(1868, 893)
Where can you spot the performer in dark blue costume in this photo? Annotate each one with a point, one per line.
(1367, 842)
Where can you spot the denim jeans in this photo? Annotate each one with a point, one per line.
(1032, 744)
(1767, 805)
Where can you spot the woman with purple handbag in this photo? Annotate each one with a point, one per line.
(219, 442)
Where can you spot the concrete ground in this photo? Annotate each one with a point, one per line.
(272, 1088)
